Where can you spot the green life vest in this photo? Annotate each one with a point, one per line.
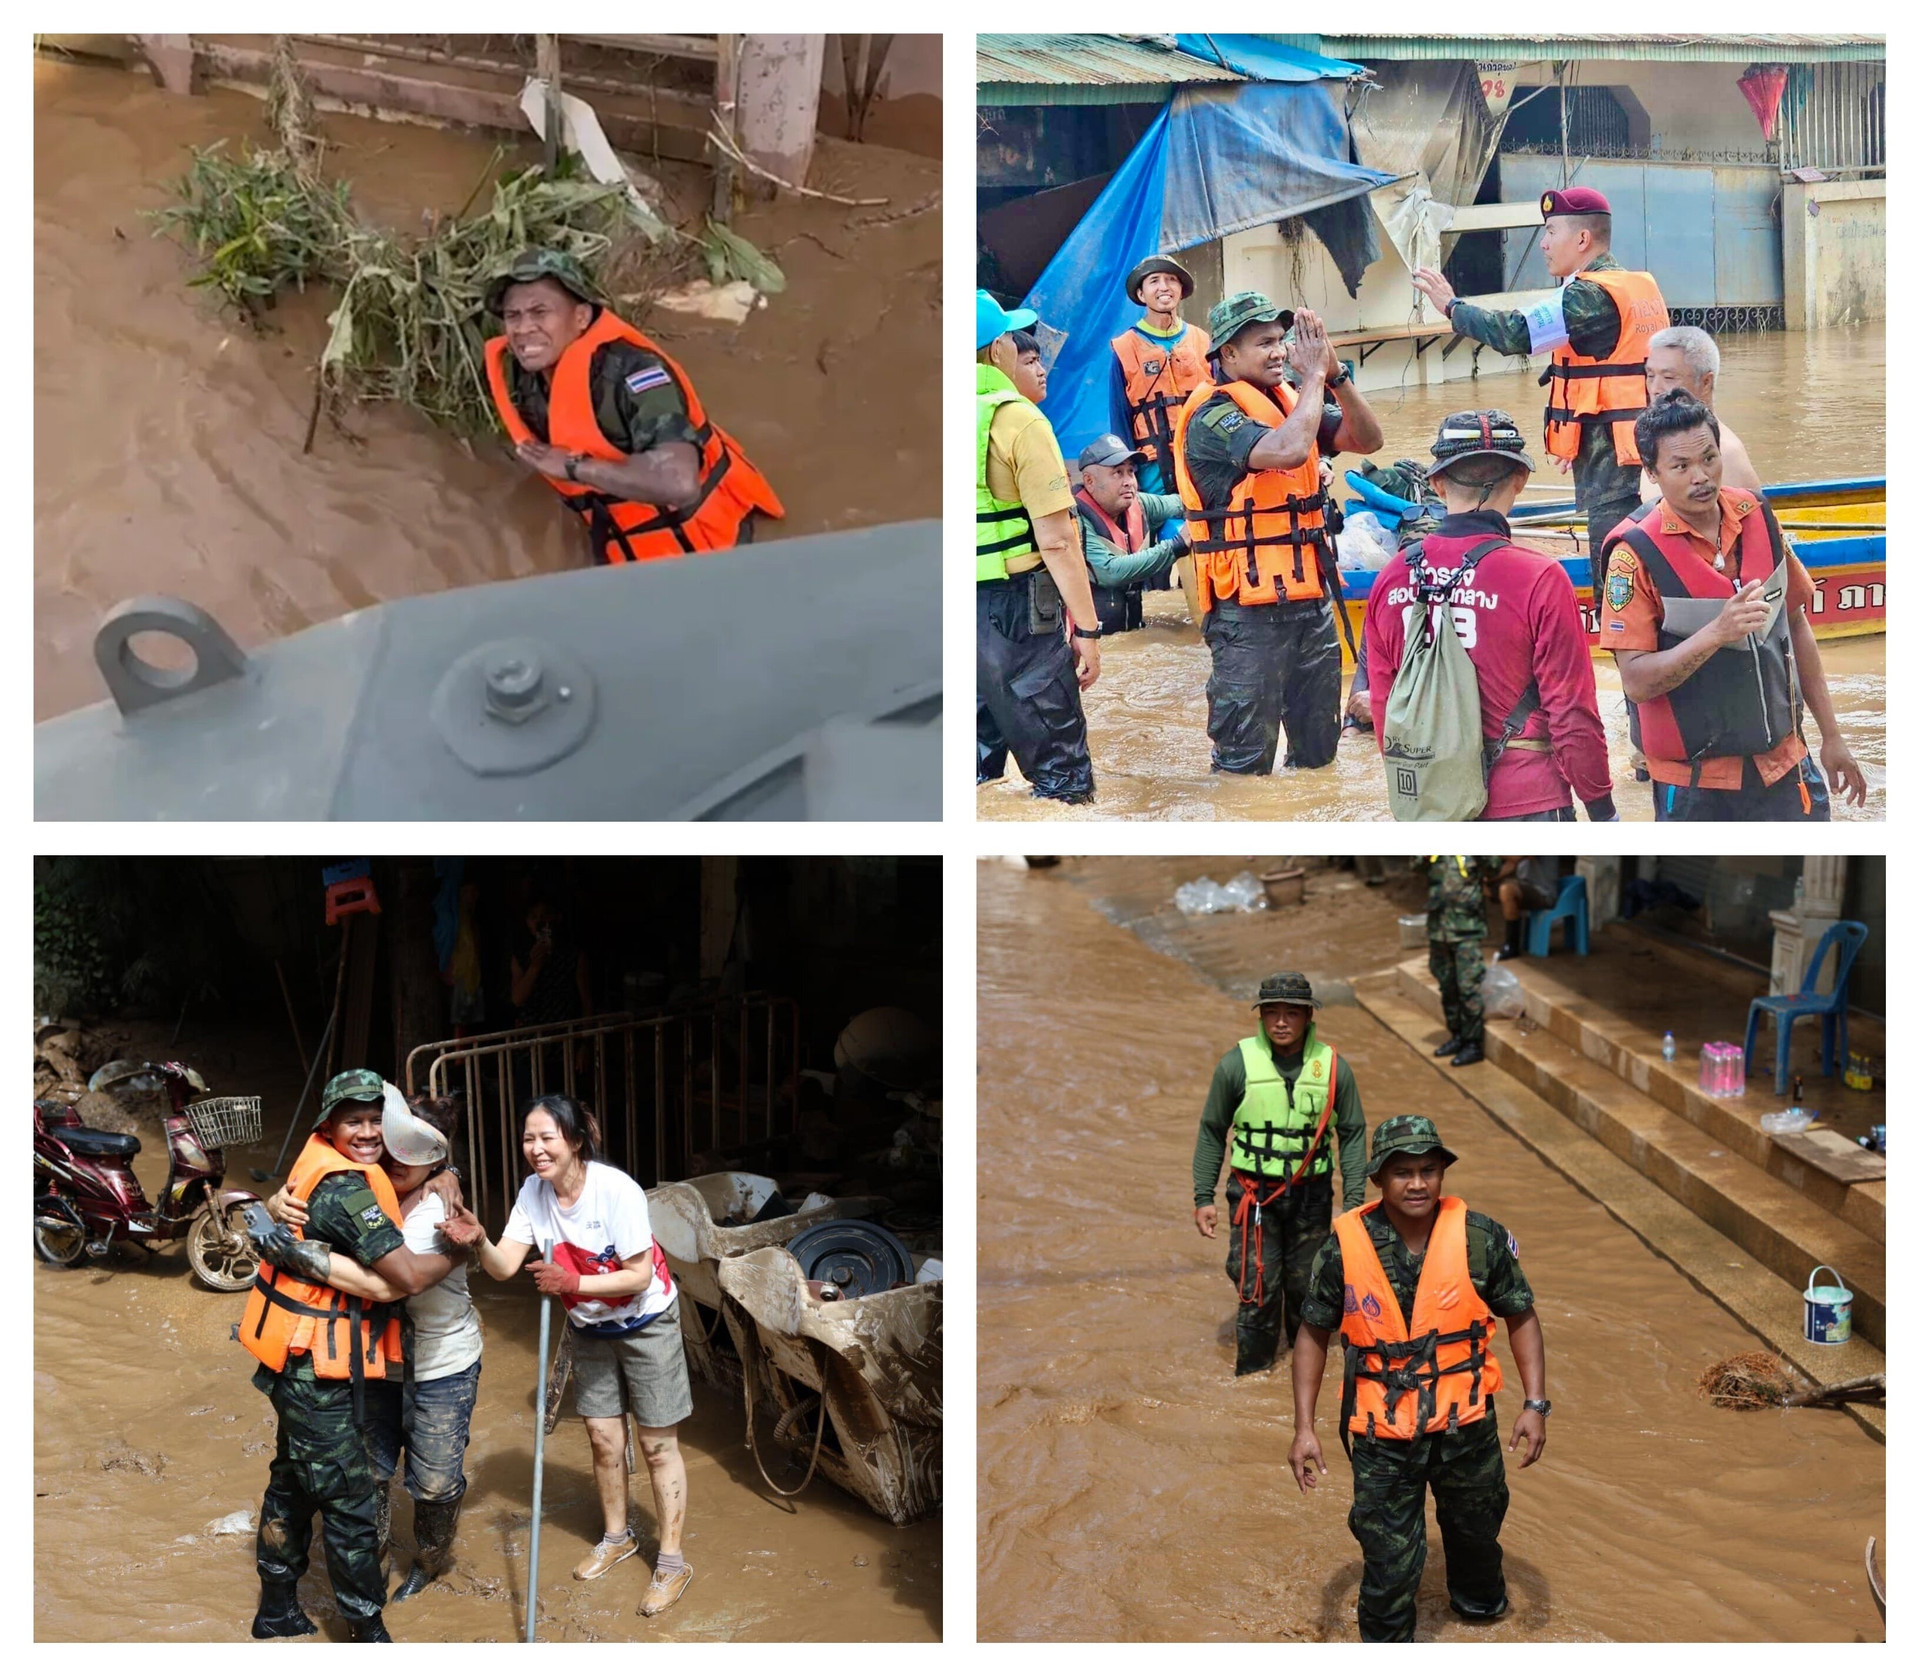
(1271, 1132)
(1003, 530)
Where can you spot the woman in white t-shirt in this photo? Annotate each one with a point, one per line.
(444, 1343)
(602, 1262)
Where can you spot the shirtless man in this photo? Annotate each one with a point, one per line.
(1686, 358)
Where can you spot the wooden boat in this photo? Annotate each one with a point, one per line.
(1838, 528)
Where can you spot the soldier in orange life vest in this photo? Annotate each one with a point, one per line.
(1156, 362)
(611, 422)
(1704, 608)
(332, 1366)
(1598, 326)
(1246, 455)
(1414, 1282)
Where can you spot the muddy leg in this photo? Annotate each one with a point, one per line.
(286, 1520)
(1389, 1518)
(667, 1471)
(608, 1436)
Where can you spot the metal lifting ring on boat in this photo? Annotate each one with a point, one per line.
(857, 1258)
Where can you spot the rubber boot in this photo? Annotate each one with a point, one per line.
(383, 1524)
(280, 1613)
(1470, 1055)
(1511, 947)
(368, 1630)
(1451, 1046)
(1255, 1351)
(434, 1524)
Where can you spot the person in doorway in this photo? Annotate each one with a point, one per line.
(1036, 633)
(1273, 1098)
(445, 1370)
(551, 978)
(1525, 884)
(1130, 538)
(1157, 362)
(332, 1367)
(1414, 1281)
(1456, 928)
(1518, 620)
(581, 1228)
(1598, 325)
(1686, 358)
(1705, 612)
(613, 424)
(1247, 461)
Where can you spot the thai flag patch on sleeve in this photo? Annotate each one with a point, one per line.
(648, 378)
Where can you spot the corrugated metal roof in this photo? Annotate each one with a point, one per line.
(1718, 49)
(1063, 61)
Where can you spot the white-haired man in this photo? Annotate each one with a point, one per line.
(1686, 358)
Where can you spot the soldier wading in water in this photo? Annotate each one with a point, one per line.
(1413, 1281)
(1278, 1091)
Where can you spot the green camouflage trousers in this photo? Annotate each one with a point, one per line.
(1278, 1263)
(1460, 967)
(322, 1465)
(1390, 1478)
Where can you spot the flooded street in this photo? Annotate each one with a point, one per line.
(167, 433)
(147, 1430)
(1132, 1489)
(1807, 405)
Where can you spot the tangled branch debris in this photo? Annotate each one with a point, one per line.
(1759, 1380)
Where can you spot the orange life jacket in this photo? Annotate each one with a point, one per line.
(1436, 1378)
(1158, 380)
(1264, 546)
(731, 490)
(1610, 389)
(347, 1337)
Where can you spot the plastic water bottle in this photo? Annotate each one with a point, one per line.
(1666, 1048)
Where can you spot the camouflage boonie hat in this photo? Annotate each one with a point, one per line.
(539, 264)
(1243, 308)
(1288, 988)
(1406, 1134)
(351, 1086)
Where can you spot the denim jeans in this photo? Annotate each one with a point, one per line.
(433, 1432)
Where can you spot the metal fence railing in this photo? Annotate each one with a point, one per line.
(1833, 117)
(666, 1088)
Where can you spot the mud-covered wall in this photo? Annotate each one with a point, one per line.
(1835, 246)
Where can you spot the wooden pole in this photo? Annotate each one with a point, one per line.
(726, 99)
(547, 65)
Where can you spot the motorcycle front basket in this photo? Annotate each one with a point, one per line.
(226, 1120)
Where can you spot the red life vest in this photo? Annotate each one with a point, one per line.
(1611, 389)
(731, 490)
(1130, 537)
(1743, 701)
(1436, 1376)
(1264, 545)
(1158, 380)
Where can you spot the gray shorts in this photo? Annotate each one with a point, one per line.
(652, 1365)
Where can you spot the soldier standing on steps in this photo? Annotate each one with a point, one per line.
(1456, 927)
(1279, 1092)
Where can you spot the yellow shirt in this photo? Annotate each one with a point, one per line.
(1024, 464)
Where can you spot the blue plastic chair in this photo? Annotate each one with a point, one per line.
(1830, 1006)
(1571, 904)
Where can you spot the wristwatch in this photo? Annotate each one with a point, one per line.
(573, 465)
(1340, 378)
(1540, 1407)
(1092, 633)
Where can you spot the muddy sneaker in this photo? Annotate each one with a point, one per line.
(608, 1553)
(665, 1590)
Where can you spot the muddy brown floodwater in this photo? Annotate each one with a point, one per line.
(1807, 405)
(1132, 1489)
(167, 434)
(147, 1430)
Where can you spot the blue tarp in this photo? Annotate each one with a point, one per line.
(1215, 161)
(1267, 61)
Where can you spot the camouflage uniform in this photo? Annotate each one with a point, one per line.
(1456, 927)
(322, 1464)
(1466, 1469)
(1603, 489)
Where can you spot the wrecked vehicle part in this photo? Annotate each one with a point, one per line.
(720, 686)
(875, 1361)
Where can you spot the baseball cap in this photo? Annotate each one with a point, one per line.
(1109, 451)
(991, 321)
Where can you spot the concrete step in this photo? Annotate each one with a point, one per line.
(1773, 1222)
(1632, 1052)
(1763, 1302)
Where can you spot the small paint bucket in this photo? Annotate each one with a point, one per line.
(1829, 1309)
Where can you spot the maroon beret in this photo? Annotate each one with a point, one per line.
(1574, 200)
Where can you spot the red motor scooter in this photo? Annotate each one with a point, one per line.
(85, 1195)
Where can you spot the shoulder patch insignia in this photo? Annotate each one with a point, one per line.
(1230, 422)
(1619, 586)
(1513, 1244)
(371, 1216)
(648, 378)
